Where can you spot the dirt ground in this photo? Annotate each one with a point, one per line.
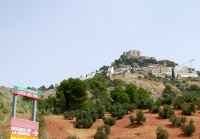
(57, 126)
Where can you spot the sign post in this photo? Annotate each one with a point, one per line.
(14, 105)
(24, 129)
(34, 109)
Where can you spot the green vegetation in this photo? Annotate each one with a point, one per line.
(166, 112)
(107, 129)
(140, 117)
(72, 137)
(109, 121)
(71, 94)
(132, 119)
(188, 129)
(85, 118)
(161, 133)
(177, 121)
(100, 134)
(118, 95)
(69, 115)
(98, 92)
(188, 108)
(142, 63)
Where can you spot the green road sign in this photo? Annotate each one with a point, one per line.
(27, 90)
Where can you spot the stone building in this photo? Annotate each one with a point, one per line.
(132, 54)
(136, 54)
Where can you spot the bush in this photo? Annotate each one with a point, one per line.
(107, 129)
(154, 108)
(166, 112)
(100, 134)
(188, 129)
(198, 104)
(85, 118)
(109, 121)
(144, 104)
(161, 134)
(72, 137)
(188, 108)
(177, 121)
(132, 119)
(178, 102)
(128, 107)
(100, 112)
(140, 117)
(117, 111)
(168, 99)
(69, 115)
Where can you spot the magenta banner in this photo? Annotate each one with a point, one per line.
(24, 127)
(26, 94)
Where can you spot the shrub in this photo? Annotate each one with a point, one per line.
(166, 112)
(161, 134)
(84, 119)
(188, 108)
(140, 117)
(154, 108)
(72, 137)
(100, 112)
(159, 101)
(198, 104)
(69, 115)
(100, 134)
(128, 107)
(132, 119)
(189, 97)
(188, 129)
(107, 129)
(117, 111)
(168, 99)
(109, 121)
(177, 121)
(144, 104)
(178, 102)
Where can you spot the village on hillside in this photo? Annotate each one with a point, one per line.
(158, 70)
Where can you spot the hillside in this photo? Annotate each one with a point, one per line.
(155, 87)
(60, 128)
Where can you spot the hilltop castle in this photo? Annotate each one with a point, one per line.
(136, 54)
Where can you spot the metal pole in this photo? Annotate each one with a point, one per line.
(14, 106)
(34, 110)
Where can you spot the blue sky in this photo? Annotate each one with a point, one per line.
(43, 42)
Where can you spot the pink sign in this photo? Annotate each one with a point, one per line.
(24, 127)
(26, 94)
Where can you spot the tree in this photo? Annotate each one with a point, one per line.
(50, 87)
(42, 88)
(131, 90)
(99, 92)
(118, 95)
(71, 94)
(143, 94)
(173, 74)
(104, 68)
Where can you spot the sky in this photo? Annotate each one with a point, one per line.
(43, 42)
